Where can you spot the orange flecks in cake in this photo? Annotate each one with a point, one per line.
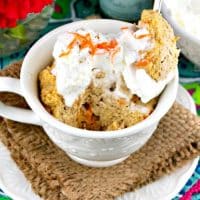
(89, 115)
(121, 101)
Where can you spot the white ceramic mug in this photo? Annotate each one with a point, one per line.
(92, 148)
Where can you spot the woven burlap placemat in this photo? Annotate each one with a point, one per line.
(54, 176)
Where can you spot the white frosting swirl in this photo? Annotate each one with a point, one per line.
(76, 70)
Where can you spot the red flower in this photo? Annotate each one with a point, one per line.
(13, 10)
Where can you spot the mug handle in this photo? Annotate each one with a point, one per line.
(8, 84)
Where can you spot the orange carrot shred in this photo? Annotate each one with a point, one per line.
(85, 41)
(142, 63)
(107, 45)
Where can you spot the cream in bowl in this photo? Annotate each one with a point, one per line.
(93, 147)
(187, 15)
(184, 17)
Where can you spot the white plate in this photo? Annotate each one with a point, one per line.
(13, 182)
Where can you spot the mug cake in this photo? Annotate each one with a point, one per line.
(109, 81)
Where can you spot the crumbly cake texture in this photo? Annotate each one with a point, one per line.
(94, 110)
(54, 176)
(163, 58)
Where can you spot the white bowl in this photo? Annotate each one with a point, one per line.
(92, 148)
(188, 43)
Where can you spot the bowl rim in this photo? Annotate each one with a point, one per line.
(46, 117)
(167, 14)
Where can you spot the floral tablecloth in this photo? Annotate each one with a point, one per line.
(67, 11)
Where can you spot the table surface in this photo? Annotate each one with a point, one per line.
(67, 11)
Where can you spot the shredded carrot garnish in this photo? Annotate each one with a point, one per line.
(142, 63)
(70, 46)
(107, 45)
(72, 43)
(124, 28)
(85, 41)
(143, 36)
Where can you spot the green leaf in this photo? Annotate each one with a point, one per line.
(18, 32)
(1, 47)
(4, 198)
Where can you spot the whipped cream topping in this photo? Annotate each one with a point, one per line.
(140, 83)
(187, 14)
(107, 61)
